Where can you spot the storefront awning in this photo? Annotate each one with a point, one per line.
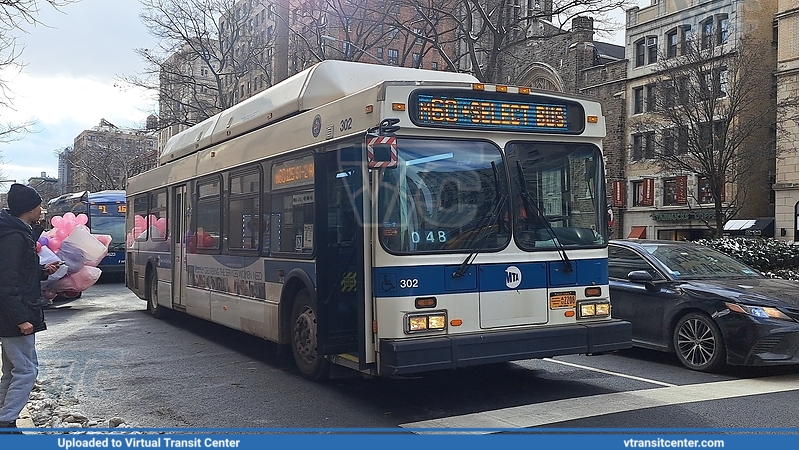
(637, 233)
(762, 227)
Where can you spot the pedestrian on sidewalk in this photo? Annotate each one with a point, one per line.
(21, 311)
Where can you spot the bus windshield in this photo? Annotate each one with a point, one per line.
(558, 196)
(107, 219)
(443, 196)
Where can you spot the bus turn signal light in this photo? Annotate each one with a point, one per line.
(425, 302)
(593, 292)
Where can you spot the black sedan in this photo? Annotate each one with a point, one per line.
(706, 307)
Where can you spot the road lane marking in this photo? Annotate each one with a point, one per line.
(545, 413)
(608, 372)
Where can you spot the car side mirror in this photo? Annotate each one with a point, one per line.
(642, 276)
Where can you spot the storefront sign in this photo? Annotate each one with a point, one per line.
(683, 216)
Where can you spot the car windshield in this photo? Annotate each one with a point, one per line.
(686, 262)
(444, 195)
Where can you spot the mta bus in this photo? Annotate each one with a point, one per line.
(386, 219)
(106, 212)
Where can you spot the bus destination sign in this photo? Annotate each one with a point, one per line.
(461, 109)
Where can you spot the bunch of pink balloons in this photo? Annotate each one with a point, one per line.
(62, 226)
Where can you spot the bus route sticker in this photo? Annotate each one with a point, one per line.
(381, 151)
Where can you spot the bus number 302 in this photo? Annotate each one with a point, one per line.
(409, 283)
(429, 236)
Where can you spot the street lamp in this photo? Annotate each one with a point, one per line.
(335, 39)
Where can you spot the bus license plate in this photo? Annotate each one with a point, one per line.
(562, 300)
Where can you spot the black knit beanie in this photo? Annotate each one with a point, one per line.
(22, 199)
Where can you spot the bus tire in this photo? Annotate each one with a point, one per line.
(155, 310)
(304, 338)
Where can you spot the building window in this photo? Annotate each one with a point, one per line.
(417, 60)
(643, 146)
(682, 140)
(379, 52)
(714, 84)
(638, 147)
(669, 142)
(638, 100)
(638, 192)
(722, 30)
(650, 97)
(687, 37)
(640, 53)
(393, 56)
(434, 65)
(649, 145)
(703, 192)
(671, 44)
(669, 191)
(652, 50)
(707, 33)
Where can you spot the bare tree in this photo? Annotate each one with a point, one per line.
(715, 114)
(375, 31)
(14, 14)
(107, 163)
(483, 37)
(212, 53)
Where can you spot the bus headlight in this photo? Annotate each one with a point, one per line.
(594, 309)
(434, 321)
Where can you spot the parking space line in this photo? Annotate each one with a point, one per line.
(545, 413)
(608, 372)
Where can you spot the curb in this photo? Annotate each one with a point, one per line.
(25, 420)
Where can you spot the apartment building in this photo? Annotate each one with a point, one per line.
(679, 204)
(787, 174)
(103, 156)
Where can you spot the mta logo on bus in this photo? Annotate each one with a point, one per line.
(513, 277)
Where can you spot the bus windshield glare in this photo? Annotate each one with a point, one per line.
(442, 196)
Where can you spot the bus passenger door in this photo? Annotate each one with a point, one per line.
(339, 254)
(179, 214)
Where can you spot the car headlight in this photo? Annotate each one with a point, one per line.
(593, 309)
(757, 311)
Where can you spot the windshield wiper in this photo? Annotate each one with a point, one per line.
(530, 205)
(492, 217)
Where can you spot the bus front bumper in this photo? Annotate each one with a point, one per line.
(404, 356)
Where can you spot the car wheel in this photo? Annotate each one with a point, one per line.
(698, 343)
(304, 338)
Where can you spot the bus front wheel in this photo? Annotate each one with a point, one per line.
(304, 338)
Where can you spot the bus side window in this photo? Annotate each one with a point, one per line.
(293, 222)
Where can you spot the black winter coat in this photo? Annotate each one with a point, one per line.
(20, 277)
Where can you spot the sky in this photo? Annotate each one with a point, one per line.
(70, 80)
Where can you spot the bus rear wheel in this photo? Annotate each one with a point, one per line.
(304, 338)
(155, 310)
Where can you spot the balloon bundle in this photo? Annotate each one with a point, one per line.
(71, 241)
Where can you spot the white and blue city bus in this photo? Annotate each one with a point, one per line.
(106, 212)
(387, 219)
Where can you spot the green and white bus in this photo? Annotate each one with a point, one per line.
(386, 219)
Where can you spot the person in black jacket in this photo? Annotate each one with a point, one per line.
(21, 312)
